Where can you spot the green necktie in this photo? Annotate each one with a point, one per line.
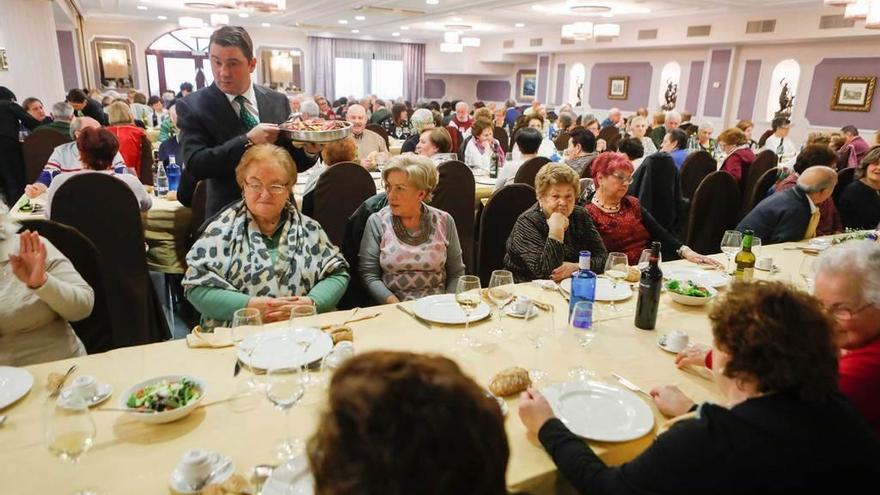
(248, 121)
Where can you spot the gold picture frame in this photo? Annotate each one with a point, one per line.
(618, 87)
(853, 93)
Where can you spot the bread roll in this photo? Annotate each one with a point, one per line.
(510, 382)
(340, 333)
(634, 274)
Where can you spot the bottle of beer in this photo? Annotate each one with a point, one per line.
(650, 286)
(745, 259)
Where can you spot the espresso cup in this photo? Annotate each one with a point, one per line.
(194, 466)
(676, 340)
(764, 263)
(84, 387)
(522, 305)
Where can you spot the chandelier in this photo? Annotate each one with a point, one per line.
(262, 5)
(869, 10)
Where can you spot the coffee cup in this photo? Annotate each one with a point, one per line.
(764, 263)
(522, 305)
(676, 340)
(84, 387)
(194, 466)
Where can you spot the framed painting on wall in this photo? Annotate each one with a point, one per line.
(618, 87)
(853, 93)
(528, 85)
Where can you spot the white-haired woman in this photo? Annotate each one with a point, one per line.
(638, 127)
(705, 142)
(40, 292)
(409, 249)
(421, 120)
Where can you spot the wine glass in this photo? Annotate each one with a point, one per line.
(284, 390)
(756, 246)
(730, 245)
(69, 430)
(537, 333)
(583, 328)
(302, 329)
(616, 268)
(500, 285)
(645, 259)
(467, 296)
(242, 322)
(808, 272)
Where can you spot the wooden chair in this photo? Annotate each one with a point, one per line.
(454, 194)
(561, 141)
(94, 331)
(758, 191)
(378, 129)
(844, 178)
(496, 223)
(695, 168)
(145, 174)
(136, 315)
(528, 170)
(764, 162)
(338, 193)
(36, 150)
(713, 210)
(502, 137)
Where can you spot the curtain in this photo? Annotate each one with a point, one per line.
(322, 77)
(413, 71)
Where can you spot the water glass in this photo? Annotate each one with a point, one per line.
(500, 293)
(537, 332)
(731, 243)
(284, 390)
(756, 246)
(242, 322)
(69, 431)
(582, 326)
(303, 331)
(616, 268)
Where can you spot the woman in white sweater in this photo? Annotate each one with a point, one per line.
(40, 292)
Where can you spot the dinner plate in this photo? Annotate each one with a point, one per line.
(292, 477)
(711, 278)
(443, 309)
(486, 181)
(605, 289)
(600, 411)
(14, 384)
(284, 348)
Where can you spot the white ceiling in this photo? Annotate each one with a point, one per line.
(417, 20)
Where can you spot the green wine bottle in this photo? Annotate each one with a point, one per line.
(745, 259)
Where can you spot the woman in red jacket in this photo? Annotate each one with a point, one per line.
(735, 144)
(129, 136)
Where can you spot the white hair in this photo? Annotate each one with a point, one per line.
(672, 115)
(613, 111)
(461, 104)
(421, 118)
(706, 125)
(62, 111)
(859, 260)
(311, 108)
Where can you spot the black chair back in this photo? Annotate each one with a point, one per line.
(145, 174)
(356, 295)
(454, 194)
(694, 169)
(657, 185)
(502, 137)
(496, 223)
(338, 193)
(136, 315)
(763, 139)
(844, 178)
(463, 146)
(36, 150)
(714, 207)
(94, 331)
(759, 191)
(764, 162)
(378, 129)
(529, 169)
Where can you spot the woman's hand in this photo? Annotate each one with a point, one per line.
(392, 299)
(601, 145)
(34, 190)
(692, 355)
(30, 263)
(534, 410)
(695, 257)
(558, 224)
(274, 309)
(563, 271)
(671, 401)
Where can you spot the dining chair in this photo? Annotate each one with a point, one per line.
(36, 150)
(338, 193)
(758, 191)
(502, 137)
(145, 174)
(496, 222)
(713, 210)
(764, 161)
(454, 194)
(529, 170)
(694, 169)
(844, 178)
(378, 129)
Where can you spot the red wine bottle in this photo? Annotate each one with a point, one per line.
(650, 285)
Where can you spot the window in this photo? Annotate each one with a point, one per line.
(786, 74)
(349, 76)
(386, 80)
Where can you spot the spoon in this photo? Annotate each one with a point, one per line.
(63, 379)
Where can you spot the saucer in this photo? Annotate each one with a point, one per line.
(774, 268)
(509, 311)
(104, 391)
(179, 485)
(661, 343)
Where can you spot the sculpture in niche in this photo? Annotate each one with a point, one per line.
(786, 100)
(580, 93)
(671, 95)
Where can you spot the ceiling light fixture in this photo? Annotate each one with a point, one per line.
(244, 15)
(432, 2)
(578, 30)
(395, 34)
(839, 3)
(586, 7)
(857, 10)
(262, 5)
(451, 48)
(470, 41)
(519, 25)
(162, 17)
(872, 21)
(458, 27)
(451, 37)
(342, 21)
(404, 28)
(209, 4)
(142, 7)
(360, 18)
(355, 31)
(190, 22)
(606, 30)
(219, 20)
(265, 24)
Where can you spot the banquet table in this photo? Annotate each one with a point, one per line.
(133, 458)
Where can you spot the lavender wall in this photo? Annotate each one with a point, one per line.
(695, 82)
(493, 90)
(719, 68)
(822, 88)
(543, 88)
(751, 73)
(68, 60)
(560, 83)
(639, 85)
(435, 88)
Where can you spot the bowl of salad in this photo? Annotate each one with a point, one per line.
(163, 399)
(690, 294)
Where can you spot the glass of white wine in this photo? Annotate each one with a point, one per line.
(302, 327)
(467, 296)
(70, 431)
(243, 321)
(500, 293)
(756, 246)
(284, 389)
(731, 243)
(616, 268)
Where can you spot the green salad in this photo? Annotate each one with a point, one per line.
(165, 395)
(687, 288)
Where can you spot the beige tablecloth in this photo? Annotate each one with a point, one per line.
(134, 458)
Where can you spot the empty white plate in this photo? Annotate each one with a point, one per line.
(605, 289)
(283, 348)
(599, 411)
(443, 309)
(14, 384)
(710, 278)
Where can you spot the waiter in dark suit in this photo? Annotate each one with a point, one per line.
(793, 214)
(218, 123)
(83, 106)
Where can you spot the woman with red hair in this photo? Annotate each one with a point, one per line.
(624, 225)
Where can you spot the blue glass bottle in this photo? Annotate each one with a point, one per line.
(172, 170)
(583, 288)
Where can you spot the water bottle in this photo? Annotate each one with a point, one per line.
(583, 289)
(173, 173)
(161, 181)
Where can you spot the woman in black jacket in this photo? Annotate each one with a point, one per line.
(781, 427)
(12, 116)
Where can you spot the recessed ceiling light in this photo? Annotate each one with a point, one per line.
(265, 24)
(142, 7)
(432, 2)
(519, 25)
(405, 28)
(455, 19)
(355, 31)
(342, 21)
(161, 17)
(360, 18)
(244, 15)
(395, 34)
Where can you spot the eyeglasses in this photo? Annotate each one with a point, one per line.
(843, 313)
(626, 179)
(274, 189)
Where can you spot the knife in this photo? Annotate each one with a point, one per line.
(414, 316)
(630, 385)
(237, 368)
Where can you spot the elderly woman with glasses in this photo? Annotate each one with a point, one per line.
(409, 249)
(261, 252)
(624, 225)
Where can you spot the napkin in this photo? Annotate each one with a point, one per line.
(221, 337)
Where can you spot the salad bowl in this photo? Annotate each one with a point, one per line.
(163, 399)
(689, 293)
